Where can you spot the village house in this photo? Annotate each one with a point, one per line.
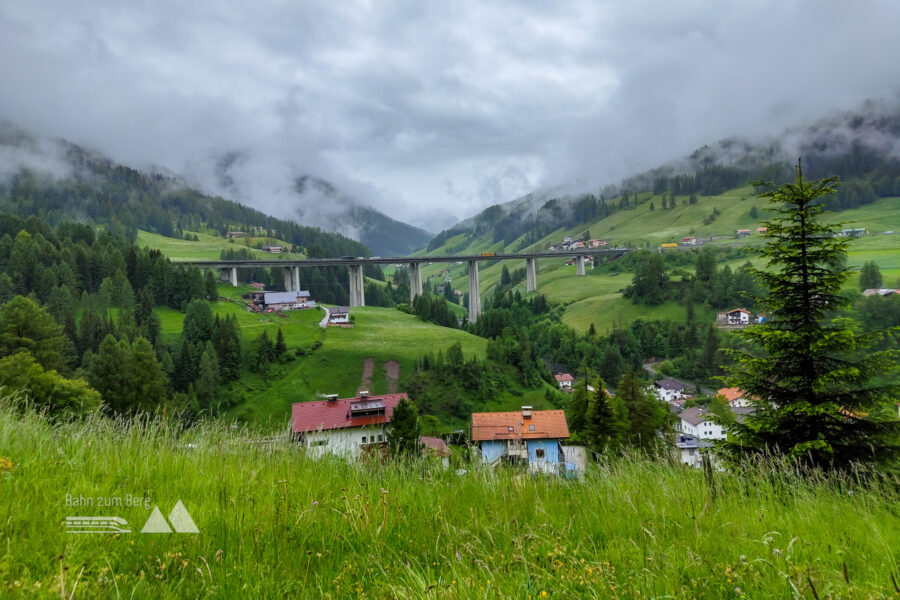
(235, 235)
(856, 232)
(691, 449)
(740, 233)
(761, 229)
(532, 437)
(689, 241)
(258, 286)
(346, 427)
(595, 243)
(339, 316)
(670, 389)
(880, 292)
(735, 397)
(435, 447)
(564, 381)
(696, 421)
(737, 318)
(272, 249)
(287, 300)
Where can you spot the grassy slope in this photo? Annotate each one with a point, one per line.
(596, 299)
(274, 524)
(208, 247)
(382, 334)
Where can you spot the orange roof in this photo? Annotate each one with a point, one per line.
(731, 393)
(547, 424)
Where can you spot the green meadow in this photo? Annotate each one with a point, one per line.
(209, 247)
(273, 523)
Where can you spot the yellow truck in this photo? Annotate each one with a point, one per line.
(668, 245)
(487, 253)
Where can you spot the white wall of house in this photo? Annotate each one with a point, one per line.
(706, 430)
(692, 457)
(739, 403)
(343, 442)
(667, 395)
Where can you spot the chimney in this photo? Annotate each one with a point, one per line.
(364, 393)
(526, 412)
(331, 397)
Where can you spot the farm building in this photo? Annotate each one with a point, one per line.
(339, 316)
(734, 317)
(880, 292)
(287, 300)
(532, 437)
(564, 381)
(689, 241)
(272, 249)
(343, 426)
(594, 243)
(235, 235)
(741, 233)
(761, 229)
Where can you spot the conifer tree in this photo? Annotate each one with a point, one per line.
(822, 400)
(403, 430)
(578, 404)
(602, 427)
(208, 377)
(280, 345)
(148, 384)
(648, 417)
(108, 374)
(870, 276)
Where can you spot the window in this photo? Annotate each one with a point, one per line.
(539, 453)
(531, 428)
(510, 427)
(318, 443)
(380, 438)
(364, 440)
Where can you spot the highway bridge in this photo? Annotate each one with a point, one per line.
(355, 265)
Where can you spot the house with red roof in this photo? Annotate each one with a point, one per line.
(532, 437)
(343, 426)
(564, 381)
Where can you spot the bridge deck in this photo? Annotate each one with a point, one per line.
(333, 262)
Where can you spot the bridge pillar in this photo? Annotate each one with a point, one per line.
(579, 265)
(415, 280)
(295, 271)
(357, 286)
(531, 274)
(474, 292)
(288, 280)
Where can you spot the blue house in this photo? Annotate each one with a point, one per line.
(532, 437)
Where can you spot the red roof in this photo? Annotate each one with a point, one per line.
(434, 445)
(731, 393)
(322, 415)
(548, 424)
(734, 310)
(564, 377)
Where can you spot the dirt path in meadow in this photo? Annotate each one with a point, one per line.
(392, 372)
(368, 371)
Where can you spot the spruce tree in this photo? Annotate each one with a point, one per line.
(403, 430)
(870, 276)
(280, 345)
(148, 384)
(24, 325)
(602, 428)
(821, 396)
(108, 374)
(648, 417)
(577, 409)
(208, 377)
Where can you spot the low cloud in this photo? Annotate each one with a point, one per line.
(430, 111)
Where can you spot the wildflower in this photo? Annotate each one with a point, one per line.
(777, 552)
(743, 558)
(315, 503)
(543, 594)
(5, 464)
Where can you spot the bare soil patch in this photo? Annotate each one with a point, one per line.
(367, 372)
(392, 372)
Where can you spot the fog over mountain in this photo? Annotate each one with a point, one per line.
(430, 112)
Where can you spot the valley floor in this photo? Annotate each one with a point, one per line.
(275, 524)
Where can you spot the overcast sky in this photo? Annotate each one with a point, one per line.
(431, 111)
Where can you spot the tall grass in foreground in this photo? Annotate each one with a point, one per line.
(275, 524)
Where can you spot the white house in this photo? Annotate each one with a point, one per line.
(735, 397)
(670, 389)
(339, 315)
(287, 300)
(564, 381)
(343, 426)
(696, 421)
(691, 449)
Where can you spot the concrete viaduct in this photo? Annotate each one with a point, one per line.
(355, 265)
